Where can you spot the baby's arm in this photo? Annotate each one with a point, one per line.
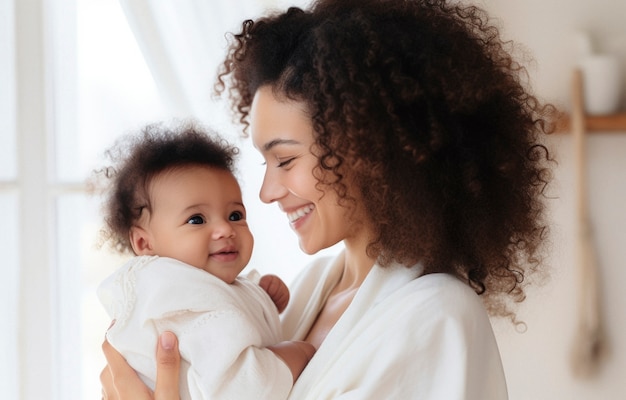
(295, 354)
(276, 289)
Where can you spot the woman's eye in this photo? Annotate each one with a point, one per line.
(236, 216)
(285, 162)
(196, 220)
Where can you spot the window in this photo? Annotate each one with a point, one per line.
(9, 198)
(112, 93)
(64, 106)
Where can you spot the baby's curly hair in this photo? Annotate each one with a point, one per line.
(421, 113)
(137, 159)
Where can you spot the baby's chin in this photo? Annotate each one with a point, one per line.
(227, 274)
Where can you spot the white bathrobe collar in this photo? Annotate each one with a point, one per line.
(379, 284)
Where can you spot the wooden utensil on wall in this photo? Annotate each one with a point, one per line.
(590, 342)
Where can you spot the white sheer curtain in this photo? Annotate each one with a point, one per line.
(182, 42)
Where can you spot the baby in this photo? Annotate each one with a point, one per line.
(174, 201)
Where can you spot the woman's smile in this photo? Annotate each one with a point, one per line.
(300, 213)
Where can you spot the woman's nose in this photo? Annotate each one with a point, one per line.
(271, 189)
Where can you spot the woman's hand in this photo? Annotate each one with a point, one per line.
(121, 382)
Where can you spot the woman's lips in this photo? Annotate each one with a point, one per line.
(300, 212)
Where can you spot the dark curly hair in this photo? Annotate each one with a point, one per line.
(137, 159)
(421, 113)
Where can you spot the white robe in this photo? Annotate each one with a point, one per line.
(222, 329)
(404, 336)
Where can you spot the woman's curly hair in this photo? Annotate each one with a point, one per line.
(137, 159)
(422, 115)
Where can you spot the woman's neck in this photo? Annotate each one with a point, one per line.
(357, 264)
(356, 267)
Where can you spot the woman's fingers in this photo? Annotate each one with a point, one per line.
(108, 389)
(168, 368)
(121, 382)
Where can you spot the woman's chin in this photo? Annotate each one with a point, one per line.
(308, 249)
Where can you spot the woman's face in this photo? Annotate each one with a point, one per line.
(282, 131)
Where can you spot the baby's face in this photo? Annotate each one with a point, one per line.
(198, 217)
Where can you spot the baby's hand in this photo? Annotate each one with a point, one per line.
(276, 289)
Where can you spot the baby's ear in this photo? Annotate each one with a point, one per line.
(141, 241)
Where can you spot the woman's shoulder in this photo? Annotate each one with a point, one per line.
(439, 296)
(434, 308)
(401, 299)
(444, 283)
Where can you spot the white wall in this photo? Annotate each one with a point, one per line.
(537, 362)
(547, 29)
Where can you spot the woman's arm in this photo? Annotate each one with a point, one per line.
(121, 382)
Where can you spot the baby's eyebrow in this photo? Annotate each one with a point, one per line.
(193, 207)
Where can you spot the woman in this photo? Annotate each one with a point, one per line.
(400, 128)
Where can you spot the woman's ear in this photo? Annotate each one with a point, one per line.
(141, 241)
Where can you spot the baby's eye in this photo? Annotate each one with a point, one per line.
(236, 216)
(196, 220)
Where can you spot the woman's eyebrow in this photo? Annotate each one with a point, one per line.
(269, 145)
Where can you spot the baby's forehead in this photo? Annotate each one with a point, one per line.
(200, 180)
(180, 171)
